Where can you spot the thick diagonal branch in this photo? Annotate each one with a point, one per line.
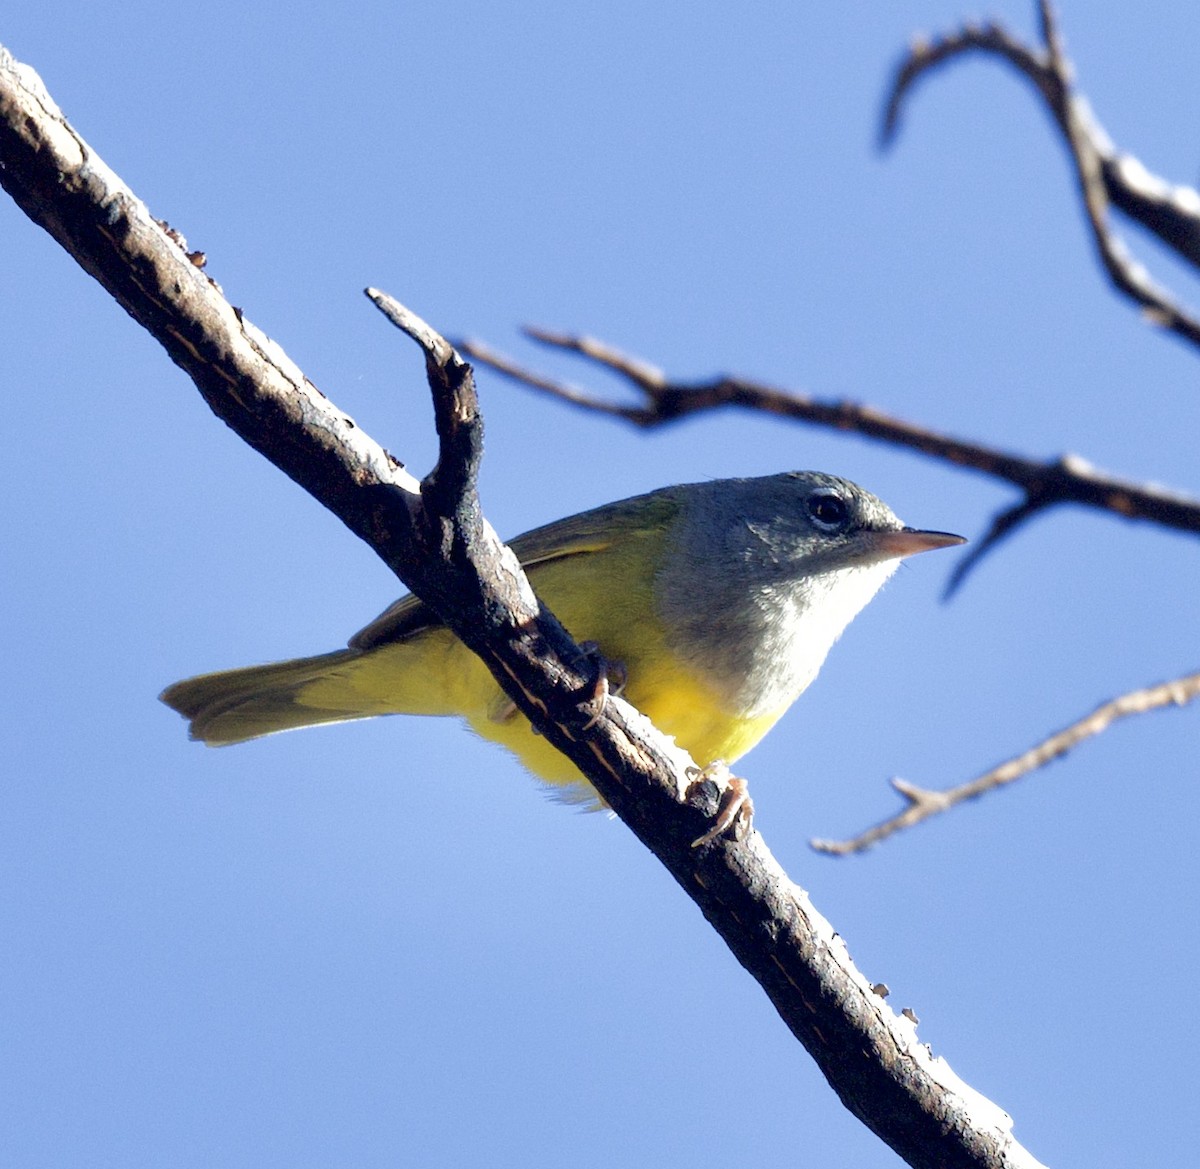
(433, 537)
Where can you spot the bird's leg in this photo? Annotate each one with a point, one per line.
(610, 679)
(736, 809)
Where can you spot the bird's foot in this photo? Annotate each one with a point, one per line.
(736, 809)
(610, 679)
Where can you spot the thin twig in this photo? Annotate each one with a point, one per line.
(1104, 176)
(449, 490)
(1068, 479)
(924, 802)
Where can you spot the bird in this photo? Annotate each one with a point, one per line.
(717, 601)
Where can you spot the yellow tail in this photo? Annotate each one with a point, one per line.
(235, 705)
(427, 674)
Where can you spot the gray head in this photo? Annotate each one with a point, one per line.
(764, 574)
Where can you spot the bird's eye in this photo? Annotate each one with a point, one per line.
(828, 510)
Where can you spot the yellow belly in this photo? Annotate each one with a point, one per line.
(677, 705)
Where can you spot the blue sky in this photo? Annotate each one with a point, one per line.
(379, 944)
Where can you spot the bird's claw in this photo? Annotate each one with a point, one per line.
(736, 809)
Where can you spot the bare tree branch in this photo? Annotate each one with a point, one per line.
(1043, 485)
(923, 802)
(1003, 525)
(1104, 175)
(433, 536)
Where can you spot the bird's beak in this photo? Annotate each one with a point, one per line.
(910, 541)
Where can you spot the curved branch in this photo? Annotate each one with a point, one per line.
(1104, 176)
(1069, 479)
(434, 538)
(925, 802)
(1003, 526)
(928, 53)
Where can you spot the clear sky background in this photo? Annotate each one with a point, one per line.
(379, 944)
